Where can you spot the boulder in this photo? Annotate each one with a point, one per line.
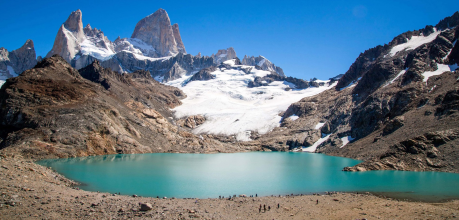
(145, 207)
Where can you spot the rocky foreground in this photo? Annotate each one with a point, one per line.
(31, 191)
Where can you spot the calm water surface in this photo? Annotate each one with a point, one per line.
(264, 173)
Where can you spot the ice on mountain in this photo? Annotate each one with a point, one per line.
(319, 126)
(294, 117)
(346, 140)
(441, 69)
(313, 148)
(88, 47)
(231, 107)
(414, 42)
(396, 77)
(352, 84)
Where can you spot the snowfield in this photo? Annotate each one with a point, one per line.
(232, 108)
(88, 47)
(441, 69)
(414, 42)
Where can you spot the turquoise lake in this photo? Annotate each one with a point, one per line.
(262, 173)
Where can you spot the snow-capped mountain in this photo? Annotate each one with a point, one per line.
(398, 50)
(230, 103)
(15, 62)
(153, 39)
(155, 45)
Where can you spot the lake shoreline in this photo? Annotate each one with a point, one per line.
(32, 191)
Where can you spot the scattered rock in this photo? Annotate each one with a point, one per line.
(145, 207)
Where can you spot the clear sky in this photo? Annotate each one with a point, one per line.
(306, 38)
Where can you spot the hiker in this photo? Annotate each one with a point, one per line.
(264, 207)
(317, 202)
(269, 208)
(256, 195)
(278, 205)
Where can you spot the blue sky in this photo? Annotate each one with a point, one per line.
(306, 38)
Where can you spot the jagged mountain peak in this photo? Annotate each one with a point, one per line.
(449, 22)
(17, 61)
(28, 44)
(224, 55)
(69, 37)
(74, 22)
(156, 30)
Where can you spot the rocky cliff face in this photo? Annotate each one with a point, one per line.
(178, 39)
(17, 61)
(54, 110)
(396, 107)
(69, 37)
(224, 55)
(156, 30)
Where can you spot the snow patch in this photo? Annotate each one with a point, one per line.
(454, 43)
(319, 126)
(441, 69)
(244, 136)
(294, 117)
(230, 62)
(414, 42)
(313, 148)
(396, 77)
(262, 62)
(88, 47)
(142, 57)
(346, 140)
(139, 44)
(352, 84)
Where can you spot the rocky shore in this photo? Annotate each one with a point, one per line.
(31, 191)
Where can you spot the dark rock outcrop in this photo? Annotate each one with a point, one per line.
(156, 30)
(432, 151)
(204, 74)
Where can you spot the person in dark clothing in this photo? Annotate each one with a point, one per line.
(278, 205)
